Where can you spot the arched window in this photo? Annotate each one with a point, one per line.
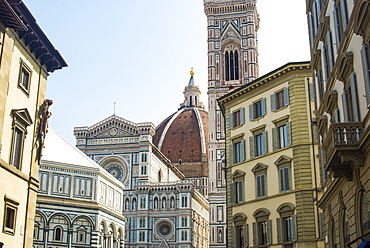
(155, 203)
(345, 226)
(231, 65)
(127, 204)
(58, 233)
(164, 203)
(159, 176)
(134, 204)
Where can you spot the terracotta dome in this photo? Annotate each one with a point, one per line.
(183, 136)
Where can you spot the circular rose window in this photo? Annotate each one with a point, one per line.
(163, 229)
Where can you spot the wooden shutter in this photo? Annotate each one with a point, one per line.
(255, 233)
(240, 191)
(242, 147)
(275, 144)
(273, 102)
(234, 234)
(344, 10)
(265, 142)
(329, 40)
(231, 120)
(252, 146)
(294, 228)
(366, 71)
(312, 91)
(251, 112)
(269, 232)
(232, 195)
(242, 116)
(345, 105)
(279, 230)
(354, 97)
(289, 133)
(263, 106)
(338, 33)
(246, 236)
(231, 156)
(286, 96)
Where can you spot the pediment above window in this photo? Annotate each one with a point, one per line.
(238, 173)
(22, 116)
(362, 22)
(259, 167)
(345, 66)
(283, 160)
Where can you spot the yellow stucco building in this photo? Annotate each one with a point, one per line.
(270, 161)
(26, 59)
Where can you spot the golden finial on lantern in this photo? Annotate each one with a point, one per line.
(191, 71)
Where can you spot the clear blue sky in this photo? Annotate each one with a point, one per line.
(139, 54)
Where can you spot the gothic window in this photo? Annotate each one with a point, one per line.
(231, 64)
(143, 169)
(127, 202)
(142, 202)
(184, 235)
(184, 201)
(184, 221)
(134, 204)
(172, 203)
(155, 203)
(164, 202)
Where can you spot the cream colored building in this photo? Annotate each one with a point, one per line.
(340, 57)
(26, 59)
(270, 161)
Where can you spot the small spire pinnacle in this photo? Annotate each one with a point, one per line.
(191, 71)
(114, 109)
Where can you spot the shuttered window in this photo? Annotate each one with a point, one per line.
(284, 174)
(261, 185)
(280, 99)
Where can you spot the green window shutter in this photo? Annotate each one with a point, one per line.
(242, 143)
(255, 234)
(321, 226)
(231, 120)
(240, 191)
(269, 232)
(294, 228)
(242, 116)
(265, 142)
(232, 195)
(273, 102)
(366, 71)
(275, 143)
(246, 236)
(337, 26)
(345, 106)
(286, 96)
(312, 92)
(251, 146)
(251, 112)
(289, 133)
(231, 156)
(354, 97)
(344, 10)
(329, 40)
(263, 105)
(234, 235)
(279, 225)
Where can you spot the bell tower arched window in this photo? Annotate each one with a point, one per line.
(231, 64)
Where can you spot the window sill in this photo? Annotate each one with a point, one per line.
(280, 109)
(257, 118)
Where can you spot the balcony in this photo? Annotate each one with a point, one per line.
(342, 148)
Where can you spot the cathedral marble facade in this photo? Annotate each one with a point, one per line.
(162, 208)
